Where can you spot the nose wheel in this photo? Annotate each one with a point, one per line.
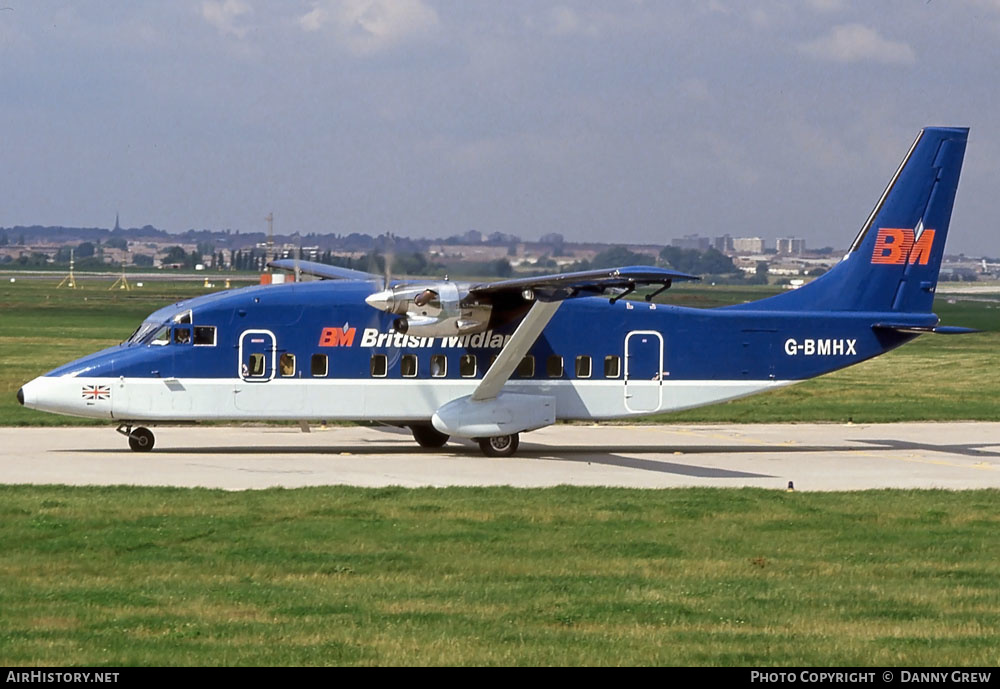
(499, 445)
(140, 439)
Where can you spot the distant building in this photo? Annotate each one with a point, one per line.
(748, 245)
(791, 246)
(723, 244)
(691, 241)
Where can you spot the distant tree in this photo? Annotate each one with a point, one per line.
(575, 266)
(142, 260)
(620, 256)
(501, 268)
(414, 263)
(175, 254)
(117, 243)
(85, 250)
(760, 274)
(710, 261)
(35, 259)
(3, 239)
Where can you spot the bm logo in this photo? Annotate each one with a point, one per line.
(337, 337)
(897, 246)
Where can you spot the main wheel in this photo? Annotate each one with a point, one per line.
(499, 445)
(141, 439)
(428, 436)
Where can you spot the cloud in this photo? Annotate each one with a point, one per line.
(858, 43)
(365, 27)
(223, 15)
(566, 22)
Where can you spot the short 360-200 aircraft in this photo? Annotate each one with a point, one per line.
(488, 361)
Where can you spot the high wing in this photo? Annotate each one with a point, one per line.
(322, 270)
(549, 291)
(567, 285)
(489, 412)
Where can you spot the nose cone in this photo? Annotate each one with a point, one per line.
(20, 396)
(383, 301)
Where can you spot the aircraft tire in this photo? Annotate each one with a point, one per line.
(428, 436)
(141, 439)
(499, 445)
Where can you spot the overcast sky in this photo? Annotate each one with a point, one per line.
(607, 121)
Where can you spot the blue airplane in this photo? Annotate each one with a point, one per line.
(489, 361)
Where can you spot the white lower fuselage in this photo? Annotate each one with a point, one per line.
(178, 399)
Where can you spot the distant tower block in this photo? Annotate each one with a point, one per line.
(69, 280)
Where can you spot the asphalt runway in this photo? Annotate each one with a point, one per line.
(812, 456)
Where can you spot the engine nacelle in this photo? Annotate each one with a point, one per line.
(505, 414)
(432, 310)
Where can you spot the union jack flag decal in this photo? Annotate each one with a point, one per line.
(96, 392)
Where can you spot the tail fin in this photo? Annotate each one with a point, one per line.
(893, 263)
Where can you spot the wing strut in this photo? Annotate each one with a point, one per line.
(520, 342)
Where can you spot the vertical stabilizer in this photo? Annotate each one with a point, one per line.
(893, 263)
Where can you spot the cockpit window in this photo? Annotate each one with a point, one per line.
(183, 318)
(162, 336)
(143, 331)
(182, 335)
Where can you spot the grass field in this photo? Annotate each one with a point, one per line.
(565, 576)
(933, 378)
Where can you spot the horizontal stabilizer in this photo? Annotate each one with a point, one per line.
(921, 329)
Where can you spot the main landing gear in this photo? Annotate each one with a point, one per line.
(428, 436)
(494, 446)
(140, 439)
(499, 445)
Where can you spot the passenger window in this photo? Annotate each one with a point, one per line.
(318, 365)
(408, 366)
(467, 366)
(554, 366)
(526, 369)
(287, 364)
(204, 335)
(583, 366)
(182, 335)
(256, 365)
(612, 367)
(493, 359)
(439, 366)
(379, 365)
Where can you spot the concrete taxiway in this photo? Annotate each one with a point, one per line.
(813, 456)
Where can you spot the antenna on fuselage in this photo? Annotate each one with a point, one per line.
(69, 280)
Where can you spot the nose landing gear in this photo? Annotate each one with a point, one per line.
(140, 439)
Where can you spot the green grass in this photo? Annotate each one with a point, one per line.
(464, 576)
(933, 378)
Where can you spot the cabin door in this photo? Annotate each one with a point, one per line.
(643, 370)
(257, 356)
(257, 363)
